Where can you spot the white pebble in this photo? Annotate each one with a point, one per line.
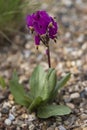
(32, 117)
(74, 95)
(31, 127)
(6, 104)
(61, 127)
(8, 122)
(11, 117)
(80, 38)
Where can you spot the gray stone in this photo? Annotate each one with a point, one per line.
(67, 98)
(5, 111)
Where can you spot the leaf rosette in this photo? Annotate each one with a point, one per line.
(44, 88)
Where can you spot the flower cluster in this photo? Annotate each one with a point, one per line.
(43, 25)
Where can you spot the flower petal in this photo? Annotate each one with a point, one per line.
(53, 29)
(37, 40)
(29, 20)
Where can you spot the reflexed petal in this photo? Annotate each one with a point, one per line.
(37, 40)
(53, 29)
(29, 20)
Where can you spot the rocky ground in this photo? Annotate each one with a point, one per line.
(69, 54)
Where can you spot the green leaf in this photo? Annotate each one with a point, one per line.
(60, 84)
(28, 99)
(15, 76)
(39, 83)
(2, 82)
(52, 79)
(18, 91)
(34, 105)
(53, 110)
(63, 81)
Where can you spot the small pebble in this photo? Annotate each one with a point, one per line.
(67, 3)
(7, 122)
(18, 128)
(24, 116)
(84, 128)
(6, 104)
(71, 105)
(32, 117)
(10, 97)
(50, 128)
(31, 127)
(66, 122)
(83, 94)
(5, 111)
(56, 128)
(80, 39)
(74, 95)
(61, 127)
(11, 117)
(67, 98)
(83, 116)
(24, 125)
(11, 102)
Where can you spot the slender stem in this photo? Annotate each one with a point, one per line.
(48, 56)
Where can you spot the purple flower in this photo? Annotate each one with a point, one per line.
(53, 29)
(40, 23)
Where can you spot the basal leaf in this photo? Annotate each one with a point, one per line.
(63, 81)
(60, 84)
(52, 79)
(2, 82)
(53, 110)
(50, 71)
(18, 91)
(36, 102)
(39, 83)
(15, 76)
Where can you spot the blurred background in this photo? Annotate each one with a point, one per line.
(69, 54)
(17, 49)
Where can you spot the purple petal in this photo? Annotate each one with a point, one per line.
(37, 40)
(53, 29)
(29, 20)
(41, 22)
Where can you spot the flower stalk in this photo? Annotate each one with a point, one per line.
(48, 55)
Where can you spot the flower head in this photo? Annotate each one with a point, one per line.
(42, 24)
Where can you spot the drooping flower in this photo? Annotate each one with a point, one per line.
(40, 22)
